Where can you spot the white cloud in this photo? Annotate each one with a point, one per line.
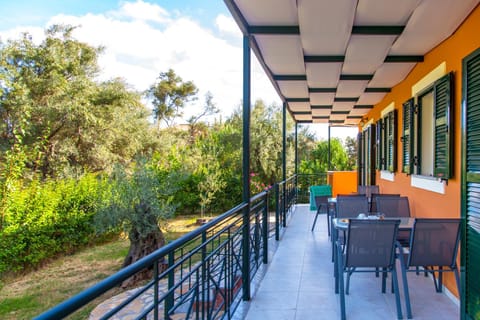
(141, 40)
(227, 25)
(142, 11)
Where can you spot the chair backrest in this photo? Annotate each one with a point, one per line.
(351, 206)
(434, 242)
(393, 206)
(371, 243)
(373, 201)
(368, 190)
(321, 202)
(320, 190)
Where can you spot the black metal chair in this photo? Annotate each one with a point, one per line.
(350, 206)
(322, 207)
(433, 247)
(395, 207)
(373, 200)
(368, 190)
(370, 246)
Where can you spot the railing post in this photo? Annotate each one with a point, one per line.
(155, 291)
(277, 212)
(265, 228)
(169, 301)
(205, 286)
(284, 204)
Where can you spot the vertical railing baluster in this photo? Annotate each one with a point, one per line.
(256, 235)
(284, 204)
(277, 212)
(265, 228)
(204, 275)
(155, 290)
(169, 301)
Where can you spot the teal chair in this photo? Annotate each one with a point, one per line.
(319, 201)
(320, 190)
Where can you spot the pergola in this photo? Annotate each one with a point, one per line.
(332, 61)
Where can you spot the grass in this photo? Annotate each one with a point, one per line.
(26, 296)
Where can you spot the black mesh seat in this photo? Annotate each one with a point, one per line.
(433, 247)
(349, 206)
(395, 207)
(373, 203)
(370, 246)
(368, 190)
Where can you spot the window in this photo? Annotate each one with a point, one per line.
(386, 142)
(366, 165)
(427, 131)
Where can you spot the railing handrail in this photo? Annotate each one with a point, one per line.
(74, 303)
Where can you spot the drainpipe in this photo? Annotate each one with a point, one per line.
(246, 169)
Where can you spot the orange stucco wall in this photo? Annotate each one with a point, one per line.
(342, 182)
(426, 203)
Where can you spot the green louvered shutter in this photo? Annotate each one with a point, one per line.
(407, 136)
(360, 160)
(471, 187)
(391, 157)
(378, 144)
(442, 92)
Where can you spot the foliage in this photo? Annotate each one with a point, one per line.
(169, 96)
(317, 160)
(351, 150)
(51, 104)
(44, 219)
(136, 202)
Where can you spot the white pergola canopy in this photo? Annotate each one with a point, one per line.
(332, 60)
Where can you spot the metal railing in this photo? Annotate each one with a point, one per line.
(203, 274)
(304, 181)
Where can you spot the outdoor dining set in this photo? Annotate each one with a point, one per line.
(375, 232)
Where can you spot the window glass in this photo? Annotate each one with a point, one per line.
(426, 136)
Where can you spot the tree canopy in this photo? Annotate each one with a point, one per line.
(51, 104)
(169, 96)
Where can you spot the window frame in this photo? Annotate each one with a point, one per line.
(442, 130)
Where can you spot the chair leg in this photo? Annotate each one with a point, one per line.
(457, 278)
(340, 282)
(315, 221)
(349, 274)
(397, 293)
(436, 282)
(406, 292)
(328, 222)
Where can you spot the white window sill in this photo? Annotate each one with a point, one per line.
(428, 183)
(387, 175)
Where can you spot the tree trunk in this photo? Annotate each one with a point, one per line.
(139, 248)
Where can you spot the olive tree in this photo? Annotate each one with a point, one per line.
(138, 202)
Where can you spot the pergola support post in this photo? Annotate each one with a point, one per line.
(246, 168)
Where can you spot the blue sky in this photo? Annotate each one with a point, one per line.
(38, 12)
(196, 38)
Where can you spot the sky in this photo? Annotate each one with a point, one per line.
(198, 39)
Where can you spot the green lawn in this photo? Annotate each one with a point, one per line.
(28, 295)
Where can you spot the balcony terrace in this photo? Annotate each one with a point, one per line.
(299, 284)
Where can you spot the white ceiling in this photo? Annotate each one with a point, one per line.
(331, 61)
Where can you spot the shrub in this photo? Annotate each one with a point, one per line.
(44, 219)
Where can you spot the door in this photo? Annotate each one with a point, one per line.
(471, 186)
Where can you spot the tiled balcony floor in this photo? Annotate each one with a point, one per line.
(299, 285)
